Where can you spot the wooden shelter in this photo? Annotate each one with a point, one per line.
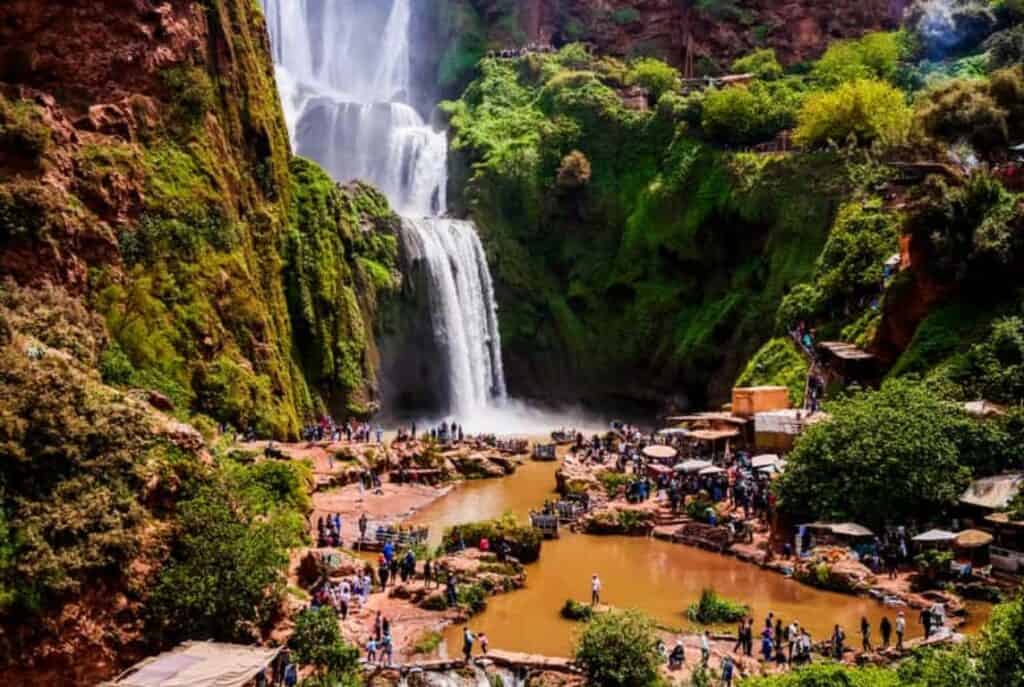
(1007, 549)
(749, 401)
(849, 362)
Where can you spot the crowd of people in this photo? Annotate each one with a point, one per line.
(530, 48)
(326, 429)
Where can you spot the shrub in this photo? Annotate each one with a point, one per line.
(317, 642)
(805, 302)
(714, 609)
(875, 56)
(574, 171)
(851, 263)
(987, 113)
(994, 368)
(741, 115)
(655, 76)
(862, 111)
(525, 540)
(427, 643)
(473, 597)
(619, 650)
(933, 563)
(777, 363)
(697, 507)
(574, 610)
(761, 63)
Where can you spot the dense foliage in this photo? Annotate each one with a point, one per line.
(618, 649)
(317, 642)
(524, 540)
(712, 608)
(892, 456)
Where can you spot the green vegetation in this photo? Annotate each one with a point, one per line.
(903, 444)
(778, 363)
(761, 63)
(653, 75)
(875, 56)
(22, 130)
(317, 642)
(861, 111)
(574, 610)
(988, 113)
(427, 643)
(713, 609)
(619, 649)
(524, 540)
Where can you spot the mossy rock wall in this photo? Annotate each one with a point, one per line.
(156, 184)
(660, 275)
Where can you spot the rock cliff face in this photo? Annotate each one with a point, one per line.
(712, 31)
(146, 171)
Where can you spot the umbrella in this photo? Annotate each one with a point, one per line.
(973, 539)
(933, 536)
(692, 465)
(659, 451)
(712, 470)
(673, 431)
(764, 460)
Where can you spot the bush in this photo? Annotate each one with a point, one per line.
(613, 481)
(697, 507)
(875, 56)
(761, 63)
(574, 610)
(524, 540)
(777, 363)
(655, 76)
(933, 563)
(317, 642)
(851, 264)
(985, 112)
(223, 546)
(574, 171)
(713, 609)
(804, 303)
(619, 650)
(862, 111)
(742, 115)
(994, 368)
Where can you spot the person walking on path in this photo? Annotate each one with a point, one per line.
(901, 627)
(886, 628)
(595, 590)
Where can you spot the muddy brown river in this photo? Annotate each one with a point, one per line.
(657, 577)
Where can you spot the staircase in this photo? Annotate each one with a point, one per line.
(664, 517)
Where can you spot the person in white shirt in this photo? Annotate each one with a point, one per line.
(595, 590)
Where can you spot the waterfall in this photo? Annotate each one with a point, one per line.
(344, 70)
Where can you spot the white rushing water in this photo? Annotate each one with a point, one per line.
(344, 70)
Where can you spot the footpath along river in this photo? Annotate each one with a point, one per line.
(657, 577)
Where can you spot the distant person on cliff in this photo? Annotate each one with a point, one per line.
(595, 590)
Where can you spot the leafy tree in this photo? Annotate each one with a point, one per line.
(864, 111)
(317, 642)
(885, 456)
(1000, 651)
(994, 368)
(742, 115)
(875, 56)
(805, 302)
(225, 575)
(655, 76)
(619, 649)
(761, 63)
(851, 263)
(986, 112)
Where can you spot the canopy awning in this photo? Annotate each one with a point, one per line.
(709, 417)
(846, 529)
(934, 536)
(993, 493)
(711, 470)
(199, 664)
(764, 460)
(973, 539)
(713, 434)
(673, 431)
(659, 451)
(692, 465)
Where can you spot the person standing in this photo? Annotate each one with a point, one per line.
(467, 643)
(483, 643)
(837, 642)
(705, 648)
(886, 628)
(766, 644)
(865, 635)
(901, 626)
(926, 622)
(727, 668)
(595, 590)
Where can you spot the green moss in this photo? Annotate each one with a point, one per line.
(23, 132)
(777, 363)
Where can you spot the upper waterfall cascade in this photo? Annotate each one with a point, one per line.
(344, 70)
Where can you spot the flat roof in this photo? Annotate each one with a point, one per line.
(199, 664)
